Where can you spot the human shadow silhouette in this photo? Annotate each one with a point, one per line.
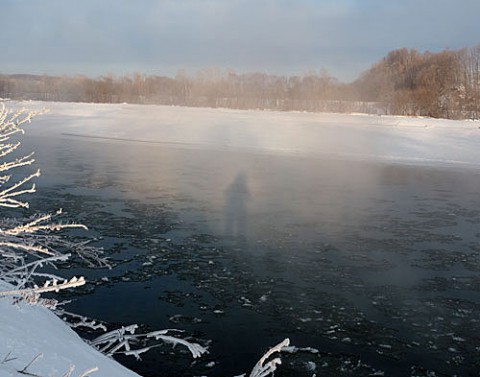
(237, 196)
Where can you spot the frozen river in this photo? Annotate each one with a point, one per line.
(354, 235)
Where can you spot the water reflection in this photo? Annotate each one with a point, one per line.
(237, 197)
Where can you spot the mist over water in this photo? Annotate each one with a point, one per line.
(373, 263)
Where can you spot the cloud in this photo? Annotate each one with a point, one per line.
(283, 36)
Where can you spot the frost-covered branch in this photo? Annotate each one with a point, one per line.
(80, 321)
(42, 223)
(264, 368)
(35, 238)
(10, 123)
(25, 272)
(88, 372)
(25, 371)
(48, 286)
(7, 195)
(195, 349)
(26, 245)
(124, 340)
(32, 295)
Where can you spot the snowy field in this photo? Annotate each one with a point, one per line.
(29, 331)
(357, 136)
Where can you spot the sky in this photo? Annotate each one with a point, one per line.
(288, 37)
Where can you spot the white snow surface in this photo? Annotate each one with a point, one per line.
(349, 136)
(27, 331)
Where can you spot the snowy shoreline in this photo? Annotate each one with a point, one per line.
(28, 331)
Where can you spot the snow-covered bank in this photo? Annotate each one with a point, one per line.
(28, 331)
(369, 137)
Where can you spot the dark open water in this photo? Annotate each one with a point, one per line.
(375, 265)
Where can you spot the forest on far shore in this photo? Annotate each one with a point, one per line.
(405, 82)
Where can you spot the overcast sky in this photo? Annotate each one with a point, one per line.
(345, 37)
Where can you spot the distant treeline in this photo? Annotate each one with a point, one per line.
(405, 82)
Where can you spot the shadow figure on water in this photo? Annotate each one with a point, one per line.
(237, 197)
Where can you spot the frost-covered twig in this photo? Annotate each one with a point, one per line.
(21, 241)
(76, 320)
(42, 223)
(7, 358)
(264, 368)
(49, 286)
(24, 370)
(32, 295)
(6, 196)
(29, 244)
(195, 349)
(70, 370)
(9, 126)
(87, 372)
(25, 272)
(122, 340)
